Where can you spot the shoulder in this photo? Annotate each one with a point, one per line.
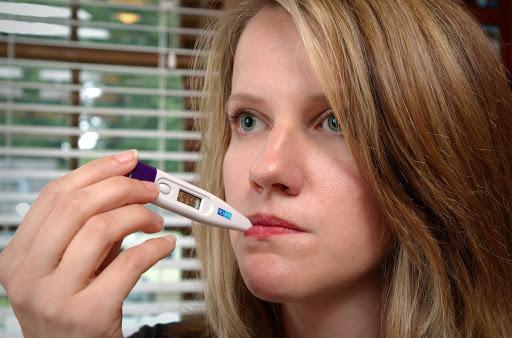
(192, 327)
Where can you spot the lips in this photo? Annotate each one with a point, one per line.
(264, 226)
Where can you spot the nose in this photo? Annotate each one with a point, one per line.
(279, 167)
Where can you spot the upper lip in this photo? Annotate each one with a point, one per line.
(272, 221)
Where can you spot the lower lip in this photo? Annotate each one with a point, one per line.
(262, 232)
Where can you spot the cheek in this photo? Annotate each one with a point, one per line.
(354, 234)
(235, 171)
(352, 229)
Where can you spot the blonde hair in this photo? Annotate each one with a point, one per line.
(426, 111)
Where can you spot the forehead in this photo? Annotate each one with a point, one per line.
(270, 57)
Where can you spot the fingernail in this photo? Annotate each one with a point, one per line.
(161, 219)
(126, 156)
(149, 185)
(170, 239)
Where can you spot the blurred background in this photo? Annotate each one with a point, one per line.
(82, 79)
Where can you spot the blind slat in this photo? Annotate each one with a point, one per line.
(161, 307)
(64, 109)
(108, 25)
(73, 153)
(168, 6)
(100, 67)
(121, 132)
(178, 286)
(174, 287)
(101, 46)
(144, 287)
(144, 308)
(106, 89)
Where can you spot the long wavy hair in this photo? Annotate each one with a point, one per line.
(427, 113)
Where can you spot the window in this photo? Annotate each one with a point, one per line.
(84, 79)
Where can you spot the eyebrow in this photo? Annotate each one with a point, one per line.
(242, 96)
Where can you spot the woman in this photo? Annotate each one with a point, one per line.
(368, 143)
(425, 114)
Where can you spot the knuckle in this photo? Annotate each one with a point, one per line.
(98, 166)
(5, 265)
(134, 259)
(123, 184)
(52, 190)
(95, 165)
(49, 311)
(120, 181)
(71, 202)
(97, 226)
(138, 208)
(18, 294)
(139, 211)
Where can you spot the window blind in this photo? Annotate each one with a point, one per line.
(83, 79)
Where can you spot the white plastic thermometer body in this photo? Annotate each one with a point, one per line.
(190, 201)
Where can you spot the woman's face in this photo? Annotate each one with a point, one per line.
(316, 231)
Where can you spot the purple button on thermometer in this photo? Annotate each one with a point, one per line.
(190, 201)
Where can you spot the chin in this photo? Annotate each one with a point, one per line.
(271, 280)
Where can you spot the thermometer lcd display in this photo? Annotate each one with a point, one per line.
(189, 199)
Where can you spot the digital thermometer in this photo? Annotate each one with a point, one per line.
(190, 201)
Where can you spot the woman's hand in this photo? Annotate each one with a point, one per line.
(62, 270)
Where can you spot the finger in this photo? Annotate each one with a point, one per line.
(92, 243)
(92, 172)
(71, 213)
(116, 281)
(114, 251)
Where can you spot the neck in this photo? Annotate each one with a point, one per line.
(353, 312)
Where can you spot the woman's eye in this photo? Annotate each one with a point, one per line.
(248, 122)
(331, 124)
